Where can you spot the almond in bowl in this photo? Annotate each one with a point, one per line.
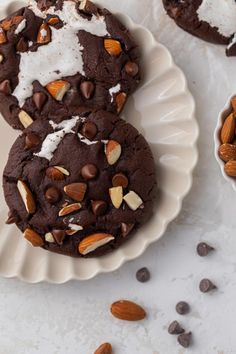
(225, 141)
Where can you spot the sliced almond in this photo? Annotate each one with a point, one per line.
(228, 129)
(49, 237)
(120, 101)
(76, 191)
(112, 46)
(33, 237)
(54, 174)
(25, 119)
(112, 151)
(58, 89)
(44, 34)
(26, 196)
(62, 170)
(71, 232)
(1, 58)
(127, 310)
(14, 20)
(227, 152)
(133, 200)
(52, 21)
(71, 208)
(230, 168)
(3, 37)
(92, 242)
(105, 348)
(116, 195)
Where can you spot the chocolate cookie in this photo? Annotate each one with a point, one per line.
(81, 187)
(211, 20)
(56, 56)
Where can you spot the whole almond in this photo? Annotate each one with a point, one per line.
(76, 191)
(228, 129)
(105, 348)
(127, 310)
(94, 241)
(33, 237)
(227, 152)
(230, 168)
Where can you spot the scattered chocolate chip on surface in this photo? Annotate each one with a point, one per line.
(203, 249)
(182, 308)
(175, 328)
(206, 286)
(143, 275)
(184, 339)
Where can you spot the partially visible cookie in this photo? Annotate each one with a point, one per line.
(58, 55)
(81, 187)
(211, 20)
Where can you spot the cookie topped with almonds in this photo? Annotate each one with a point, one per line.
(58, 55)
(81, 187)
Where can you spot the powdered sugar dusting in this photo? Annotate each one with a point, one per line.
(220, 14)
(62, 56)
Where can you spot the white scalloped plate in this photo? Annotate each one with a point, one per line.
(163, 110)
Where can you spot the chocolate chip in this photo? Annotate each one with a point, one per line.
(184, 339)
(89, 130)
(120, 180)
(89, 172)
(5, 87)
(175, 328)
(59, 236)
(52, 195)
(203, 249)
(87, 89)
(143, 275)
(182, 308)
(22, 46)
(126, 229)
(88, 7)
(32, 140)
(39, 99)
(131, 68)
(99, 207)
(12, 218)
(206, 285)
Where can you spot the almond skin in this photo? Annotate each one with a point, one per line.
(33, 237)
(76, 191)
(44, 34)
(120, 101)
(127, 311)
(230, 168)
(54, 174)
(58, 89)
(227, 152)
(70, 209)
(228, 129)
(3, 37)
(233, 103)
(7, 24)
(112, 46)
(105, 348)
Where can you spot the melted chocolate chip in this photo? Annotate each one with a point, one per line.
(99, 207)
(52, 195)
(87, 89)
(120, 180)
(89, 130)
(131, 68)
(89, 172)
(5, 87)
(22, 46)
(126, 229)
(59, 236)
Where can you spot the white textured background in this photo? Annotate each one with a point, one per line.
(74, 318)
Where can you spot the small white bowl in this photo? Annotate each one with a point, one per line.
(221, 118)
